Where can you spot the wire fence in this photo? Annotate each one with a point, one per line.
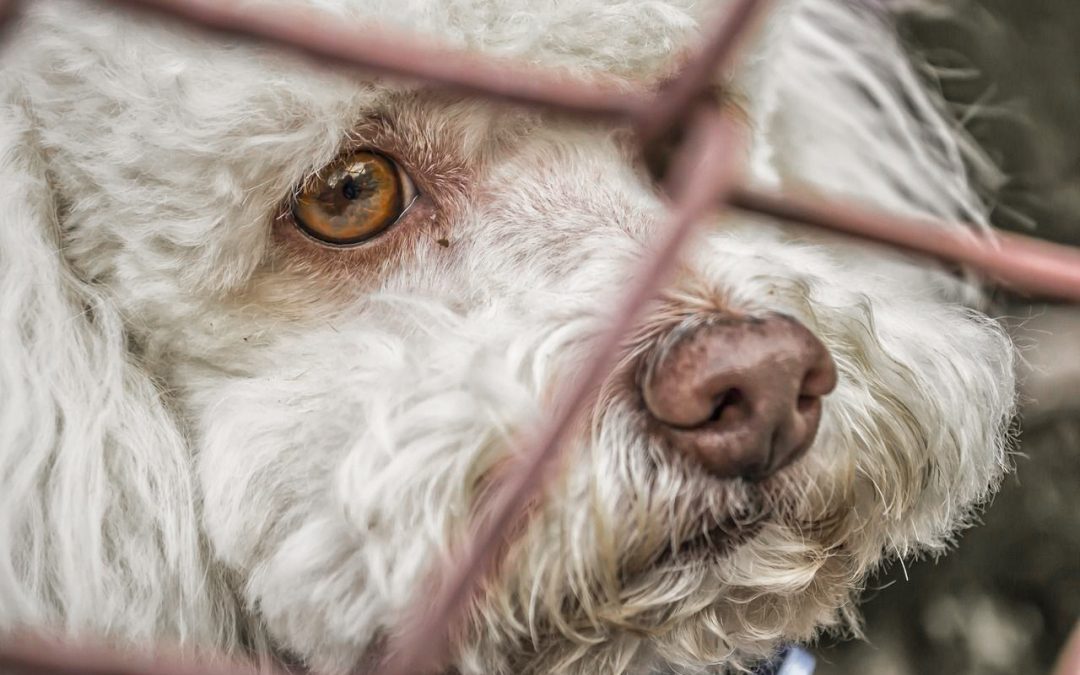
(704, 176)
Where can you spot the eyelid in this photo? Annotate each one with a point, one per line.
(410, 193)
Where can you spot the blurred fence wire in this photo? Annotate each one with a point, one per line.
(704, 176)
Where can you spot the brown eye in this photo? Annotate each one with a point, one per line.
(354, 199)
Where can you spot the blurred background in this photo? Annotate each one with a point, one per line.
(1006, 599)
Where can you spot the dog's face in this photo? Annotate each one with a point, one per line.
(361, 295)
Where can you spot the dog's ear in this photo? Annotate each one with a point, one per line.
(904, 129)
(98, 529)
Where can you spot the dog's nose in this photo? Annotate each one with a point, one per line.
(741, 395)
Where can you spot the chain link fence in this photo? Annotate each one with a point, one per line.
(704, 176)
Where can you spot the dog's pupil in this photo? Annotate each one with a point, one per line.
(350, 190)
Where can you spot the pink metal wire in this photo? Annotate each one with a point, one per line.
(1024, 264)
(704, 176)
(709, 173)
(44, 656)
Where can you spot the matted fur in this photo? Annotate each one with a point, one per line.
(216, 433)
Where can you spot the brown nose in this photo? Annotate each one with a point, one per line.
(740, 395)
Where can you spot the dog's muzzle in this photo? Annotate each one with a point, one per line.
(740, 395)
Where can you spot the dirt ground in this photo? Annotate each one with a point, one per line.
(1005, 600)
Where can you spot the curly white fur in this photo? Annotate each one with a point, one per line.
(215, 433)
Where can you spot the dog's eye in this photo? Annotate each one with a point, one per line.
(354, 199)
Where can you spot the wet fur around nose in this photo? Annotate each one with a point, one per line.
(216, 433)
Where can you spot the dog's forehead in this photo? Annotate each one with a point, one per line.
(624, 38)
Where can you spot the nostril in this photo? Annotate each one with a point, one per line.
(806, 404)
(730, 408)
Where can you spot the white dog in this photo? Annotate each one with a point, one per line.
(270, 332)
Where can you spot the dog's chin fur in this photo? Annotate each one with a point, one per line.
(216, 433)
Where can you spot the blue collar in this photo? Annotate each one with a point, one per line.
(791, 660)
